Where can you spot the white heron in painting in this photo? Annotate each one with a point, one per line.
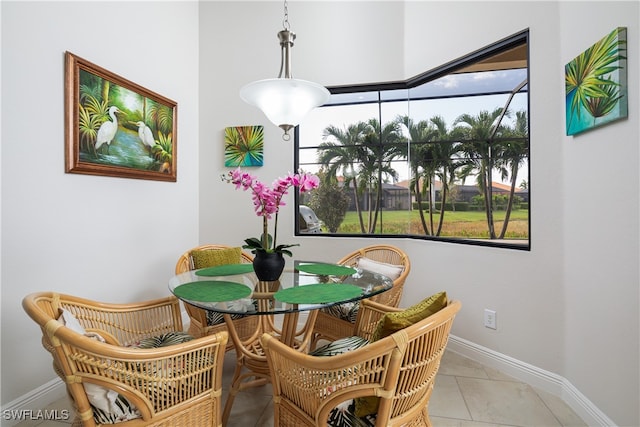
(144, 132)
(108, 129)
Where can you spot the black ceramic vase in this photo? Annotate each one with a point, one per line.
(268, 265)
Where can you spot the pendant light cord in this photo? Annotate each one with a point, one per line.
(285, 21)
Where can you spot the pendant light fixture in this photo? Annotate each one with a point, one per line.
(285, 100)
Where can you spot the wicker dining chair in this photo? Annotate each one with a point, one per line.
(399, 369)
(337, 321)
(201, 322)
(105, 355)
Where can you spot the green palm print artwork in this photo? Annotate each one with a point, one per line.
(596, 84)
(243, 146)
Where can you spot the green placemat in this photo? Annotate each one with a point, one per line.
(318, 293)
(212, 291)
(327, 269)
(225, 270)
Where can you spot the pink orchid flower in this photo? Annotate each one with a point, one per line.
(267, 202)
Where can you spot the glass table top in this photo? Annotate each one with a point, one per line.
(309, 285)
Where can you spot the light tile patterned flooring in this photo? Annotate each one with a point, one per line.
(467, 394)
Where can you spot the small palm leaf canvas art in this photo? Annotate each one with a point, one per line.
(596, 84)
(243, 146)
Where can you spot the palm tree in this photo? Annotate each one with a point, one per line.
(432, 156)
(418, 158)
(383, 144)
(446, 163)
(480, 133)
(363, 153)
(513, 156)
(343, 156)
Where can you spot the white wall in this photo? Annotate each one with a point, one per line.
(109, 239)
(561, 307)
(601, 258)
(549, 299)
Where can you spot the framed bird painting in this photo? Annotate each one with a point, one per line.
(114, 127)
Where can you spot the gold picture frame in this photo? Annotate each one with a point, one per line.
(114, 127)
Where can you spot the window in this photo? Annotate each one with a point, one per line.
(441, 156)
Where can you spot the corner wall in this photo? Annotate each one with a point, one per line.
(601, 199)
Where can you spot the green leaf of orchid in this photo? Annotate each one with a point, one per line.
(285, 252)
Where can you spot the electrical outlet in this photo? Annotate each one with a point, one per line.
(490, 319)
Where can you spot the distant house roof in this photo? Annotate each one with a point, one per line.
(496, 186)
(385, 186)
(406, 183)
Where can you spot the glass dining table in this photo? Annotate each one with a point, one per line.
(234, 290)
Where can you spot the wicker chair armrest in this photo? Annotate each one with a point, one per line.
(318, 384)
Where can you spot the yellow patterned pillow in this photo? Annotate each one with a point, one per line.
(393, 322)
(213, 257)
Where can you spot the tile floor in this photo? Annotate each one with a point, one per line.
(467, 394)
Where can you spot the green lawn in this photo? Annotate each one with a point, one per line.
(465, 224)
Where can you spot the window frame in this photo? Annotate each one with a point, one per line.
(505, 44)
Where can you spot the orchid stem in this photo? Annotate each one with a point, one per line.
(275, 232)
(265, 233)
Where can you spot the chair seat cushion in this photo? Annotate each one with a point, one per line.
(245, 304)
(164, 340)
(344, 415)
(340, 346)
(347, 311)
(109, 407)
(216, 318)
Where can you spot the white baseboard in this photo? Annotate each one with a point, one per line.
(534, 376)
(38, 399)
